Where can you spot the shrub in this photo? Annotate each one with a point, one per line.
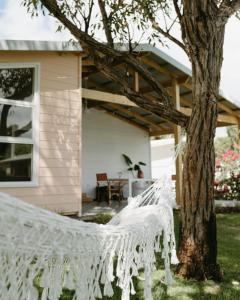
(227, 174)
(228, 188)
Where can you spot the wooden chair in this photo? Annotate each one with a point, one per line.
(111, 187)
(102, 187)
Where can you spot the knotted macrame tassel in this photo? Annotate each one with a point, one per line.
(174, 258)
(32, 293)
(67, 253)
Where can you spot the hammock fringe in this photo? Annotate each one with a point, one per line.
(41, 248)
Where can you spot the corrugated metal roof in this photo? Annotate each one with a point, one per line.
(164, 57)
(173, 65)
(164, 68)
(20, 45)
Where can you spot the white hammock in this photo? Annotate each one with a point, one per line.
(59, 252)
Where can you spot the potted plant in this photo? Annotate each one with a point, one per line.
(138, 186)
(134, 167)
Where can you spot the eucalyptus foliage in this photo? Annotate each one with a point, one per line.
(130, 22)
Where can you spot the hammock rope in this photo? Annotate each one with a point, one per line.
(38, 247)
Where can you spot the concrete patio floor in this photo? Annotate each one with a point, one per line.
(94, 208)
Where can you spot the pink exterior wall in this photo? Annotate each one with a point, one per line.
(59, 187)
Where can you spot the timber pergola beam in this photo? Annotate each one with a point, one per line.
(112, 99)
(167, 84)
(229, 110)
(163, 131)
(106, 97)
(221, 117)
(158, 67)
(137, 116)
(122, 100)
(222, 106)
(185, 81)
(177, 139)
(122, 118)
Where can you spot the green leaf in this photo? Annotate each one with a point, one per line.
(142, 163)
(136, 167)
(127, 160)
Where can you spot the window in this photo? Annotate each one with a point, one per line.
(18, 124)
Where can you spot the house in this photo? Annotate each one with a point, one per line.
(62, 121)
(40, 111)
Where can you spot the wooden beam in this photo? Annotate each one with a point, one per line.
(121, 118)
(229, 110)
(111, 98)
(136, 82)
(221, 117)
(88, 62)
(106, 97)
(167, 84)
(161, 132)
(88, 69)
(136, 115)
(150, 97)
(148, 89)
(228, 119)
(181, 80)
(183, 100)
(177, 138)
(158, 67)
(220, 105)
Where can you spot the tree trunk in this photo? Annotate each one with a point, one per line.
(198, 243)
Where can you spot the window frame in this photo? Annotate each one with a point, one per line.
(34, 141)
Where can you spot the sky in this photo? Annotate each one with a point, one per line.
(15, 23)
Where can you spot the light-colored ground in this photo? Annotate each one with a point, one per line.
(227, 203)
(94, 208)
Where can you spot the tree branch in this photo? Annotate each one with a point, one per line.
(111, 55)
(177, 9)
(90, 43)
(106, 23)
(88, 18)
(227, 8)
(153, 106)
(168, 35)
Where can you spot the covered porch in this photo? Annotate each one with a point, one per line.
(111, 121)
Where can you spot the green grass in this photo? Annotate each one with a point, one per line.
(99, 218)
(228, 257)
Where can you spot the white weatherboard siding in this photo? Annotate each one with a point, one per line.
(105, 138)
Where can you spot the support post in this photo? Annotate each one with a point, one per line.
(79, 76)
(136, 82)
(177, 138)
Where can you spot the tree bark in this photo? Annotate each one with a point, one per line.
(198, 237)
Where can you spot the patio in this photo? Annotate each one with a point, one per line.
(95, 208)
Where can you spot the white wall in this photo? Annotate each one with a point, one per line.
(162, 153)
(105, 139)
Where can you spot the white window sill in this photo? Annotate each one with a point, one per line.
(18, 184)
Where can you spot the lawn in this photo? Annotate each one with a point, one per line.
(228, 257)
